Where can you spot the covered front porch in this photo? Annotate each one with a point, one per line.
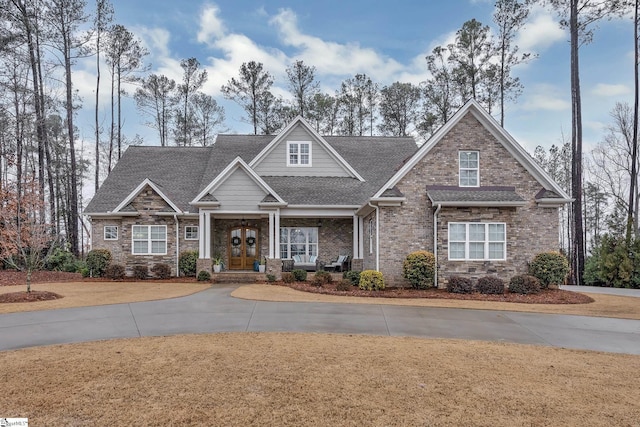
(239, 240)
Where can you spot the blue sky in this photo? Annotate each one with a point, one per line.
(385, 40)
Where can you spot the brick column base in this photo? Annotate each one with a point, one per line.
(274, 266)
(203, 264)
(357, 264)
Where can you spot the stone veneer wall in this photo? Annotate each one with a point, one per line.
(147, 203)
(530, 229)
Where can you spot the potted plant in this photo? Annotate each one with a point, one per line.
(263, 265)
(217, 263)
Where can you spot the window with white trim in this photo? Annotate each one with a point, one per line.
(298, 241)
(474, 241)
(110, 232)
(191, 232)
(149, 239)
(298, 153)
(469, 168)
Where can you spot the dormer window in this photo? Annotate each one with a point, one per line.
(298, 153)
(469, 162)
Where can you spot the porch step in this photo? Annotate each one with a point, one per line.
(238, 277)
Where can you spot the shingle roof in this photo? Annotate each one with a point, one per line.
(481, 195)
(183, 172)
(547, 194)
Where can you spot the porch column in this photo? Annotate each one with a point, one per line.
(203, 233)
(207, 235)
(271, 234)
(356, 238)
(276, 230)
(361, 237)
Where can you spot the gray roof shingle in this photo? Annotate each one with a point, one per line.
(485, 195)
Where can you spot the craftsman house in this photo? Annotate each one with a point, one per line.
(470, 194)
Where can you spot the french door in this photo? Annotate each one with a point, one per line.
(243, 248)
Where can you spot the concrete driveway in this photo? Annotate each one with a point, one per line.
(214, 310)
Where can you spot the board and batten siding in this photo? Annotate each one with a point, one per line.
(239, 192)
(322, 164)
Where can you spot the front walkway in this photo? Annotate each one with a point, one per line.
(214, 310)
(623, 292)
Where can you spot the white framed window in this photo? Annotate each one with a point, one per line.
(149, 239)
(298, 241)
(298, 153)
(110, 232)
(469, 168)
(474, 241)
(371, 229)
(191, 232)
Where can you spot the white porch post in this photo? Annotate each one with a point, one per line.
(361, 237)
(276, 230)
(356, 238)
(203, 233)
(271, 234)
(207, 236)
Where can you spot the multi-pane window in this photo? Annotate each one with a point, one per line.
(191, 232)
(298, 153)
(477, 241)
(110, 232)
(298, 241)
(149, 239)
(469, 168)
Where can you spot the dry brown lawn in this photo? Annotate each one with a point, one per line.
(603, 305)
(82, 294)
(249, 379)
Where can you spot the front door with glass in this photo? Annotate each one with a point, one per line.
(243, 244)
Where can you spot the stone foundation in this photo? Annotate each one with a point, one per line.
(274, 266)
(203, 264)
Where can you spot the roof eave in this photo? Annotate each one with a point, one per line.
(553, 202)
(388, 201)
(110, 214)
(488, 204)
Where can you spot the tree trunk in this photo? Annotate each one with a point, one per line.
(119, 114)
(29, 272)
(97, 124)
(113, 119)
(634, 152)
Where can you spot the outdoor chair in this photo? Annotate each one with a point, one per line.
(341, 264)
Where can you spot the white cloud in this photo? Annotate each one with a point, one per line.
(211, 27)
(545, 97)
(541, 32)
(603, 89)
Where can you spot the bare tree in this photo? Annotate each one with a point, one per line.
(156, 97)
(192, 80)
(208, 118)
(302, 85)
(399, 108)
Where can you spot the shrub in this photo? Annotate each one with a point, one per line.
(524, 284)
(419, 268)
(551, 268)
(187, 263)
(490, 285)
(204, 276)
(84, 271)
(140, 271)
(299, 275)
(323, 276)
(161, 271)
(352, 276)
(317, 281)
(288, 277)
(371, 280)
(271, 278)
(115, 272)
(97, 261)
(459, 285)
(62, 260)
(344, 285)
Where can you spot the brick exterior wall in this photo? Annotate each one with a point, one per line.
(335, 236)
(148, 204)
(530, 229)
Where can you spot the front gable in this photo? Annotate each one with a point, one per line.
(300, 151)
(145, 197)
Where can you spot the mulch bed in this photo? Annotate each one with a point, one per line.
(32, 296)
(547, 296)
(13, 277)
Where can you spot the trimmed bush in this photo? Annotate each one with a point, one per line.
(317, 282)
(204, 276)
(84, 271)
(551, 268)
(161, 271)
(140, 272)
(271, 278)
(288, 277)
(459, 285)
(490, 285)
(344, 285)
(419, 269)
(115, 272)
(352, 276)
(324, 276)
(524, 284)
(62, 260)
(187, 263)
(97, 262)
(371, 280)
(299, 275)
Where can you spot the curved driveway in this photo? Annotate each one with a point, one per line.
(213, 310)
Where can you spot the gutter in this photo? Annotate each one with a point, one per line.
(175, 218)
(377, 236)
(435, 243)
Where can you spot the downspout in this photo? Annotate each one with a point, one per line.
(435, 243)
(175, 218)
(377, 235)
